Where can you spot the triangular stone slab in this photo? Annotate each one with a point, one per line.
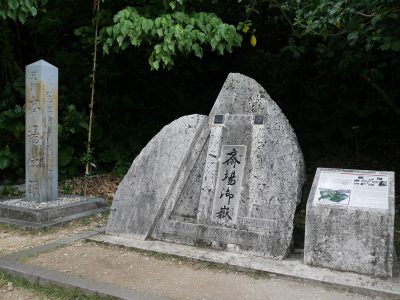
(232, 180)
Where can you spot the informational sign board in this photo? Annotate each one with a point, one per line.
(367, 190)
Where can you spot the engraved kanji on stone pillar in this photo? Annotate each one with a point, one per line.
(41, 132)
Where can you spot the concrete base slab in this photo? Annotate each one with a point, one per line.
(293, 267)
(52, 216)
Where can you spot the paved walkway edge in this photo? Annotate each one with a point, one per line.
(38, 275)
(292, 267)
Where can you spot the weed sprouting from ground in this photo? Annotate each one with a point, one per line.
(50, 291)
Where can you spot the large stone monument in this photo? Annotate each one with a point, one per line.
(41, 206)
(231, 180)
(350, 221)
(41, 143)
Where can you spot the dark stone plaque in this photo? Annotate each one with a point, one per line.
(258, 120)
(219, 119)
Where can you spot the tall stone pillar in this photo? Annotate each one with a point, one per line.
(41, 133)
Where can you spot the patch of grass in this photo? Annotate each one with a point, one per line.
(51, 291)
(25, 259)
(67, 189)
(9, 190)
(213, 266)
(85, 221)
(260, 275)
(16, 229)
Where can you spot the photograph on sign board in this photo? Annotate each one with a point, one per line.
(331, 196)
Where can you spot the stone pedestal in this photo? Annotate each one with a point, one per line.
(350, 221)
(41, 132)
(48, 214)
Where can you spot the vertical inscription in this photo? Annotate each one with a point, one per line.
(33, 133)
(229, 183)
(49, 133)
(41, 119)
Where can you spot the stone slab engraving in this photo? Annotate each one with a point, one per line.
(229, 183)
(187, 187)
(256, 222)
(350, 221)
(198, 232)
(41, 173)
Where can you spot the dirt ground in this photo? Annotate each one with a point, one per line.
(176, 279)
(13, 240)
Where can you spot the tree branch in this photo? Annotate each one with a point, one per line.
(285, 16)
(384, 95)
(365, 15)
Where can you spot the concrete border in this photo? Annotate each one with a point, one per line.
(51, 216)
(292, 267)
(55, 222)
(42, 276)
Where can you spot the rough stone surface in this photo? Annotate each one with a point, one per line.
(349, 238)
(246, 138)
(151, 177)
(41, 165)
(269, 179)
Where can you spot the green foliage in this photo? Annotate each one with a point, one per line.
(12, 130)
(9, 190)
(355, 36)
(371, 24)
(172, 34)
(72, 130)
(66, 189)
(20, 10)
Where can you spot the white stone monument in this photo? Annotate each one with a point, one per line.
(230, 180)
(350, 221)
(41, 132)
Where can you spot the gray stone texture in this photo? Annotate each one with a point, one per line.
(349, 238)
(151, 177)
(38, 218)
(41, 122)
(181, 206)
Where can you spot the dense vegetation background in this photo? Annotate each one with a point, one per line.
(332, 66)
